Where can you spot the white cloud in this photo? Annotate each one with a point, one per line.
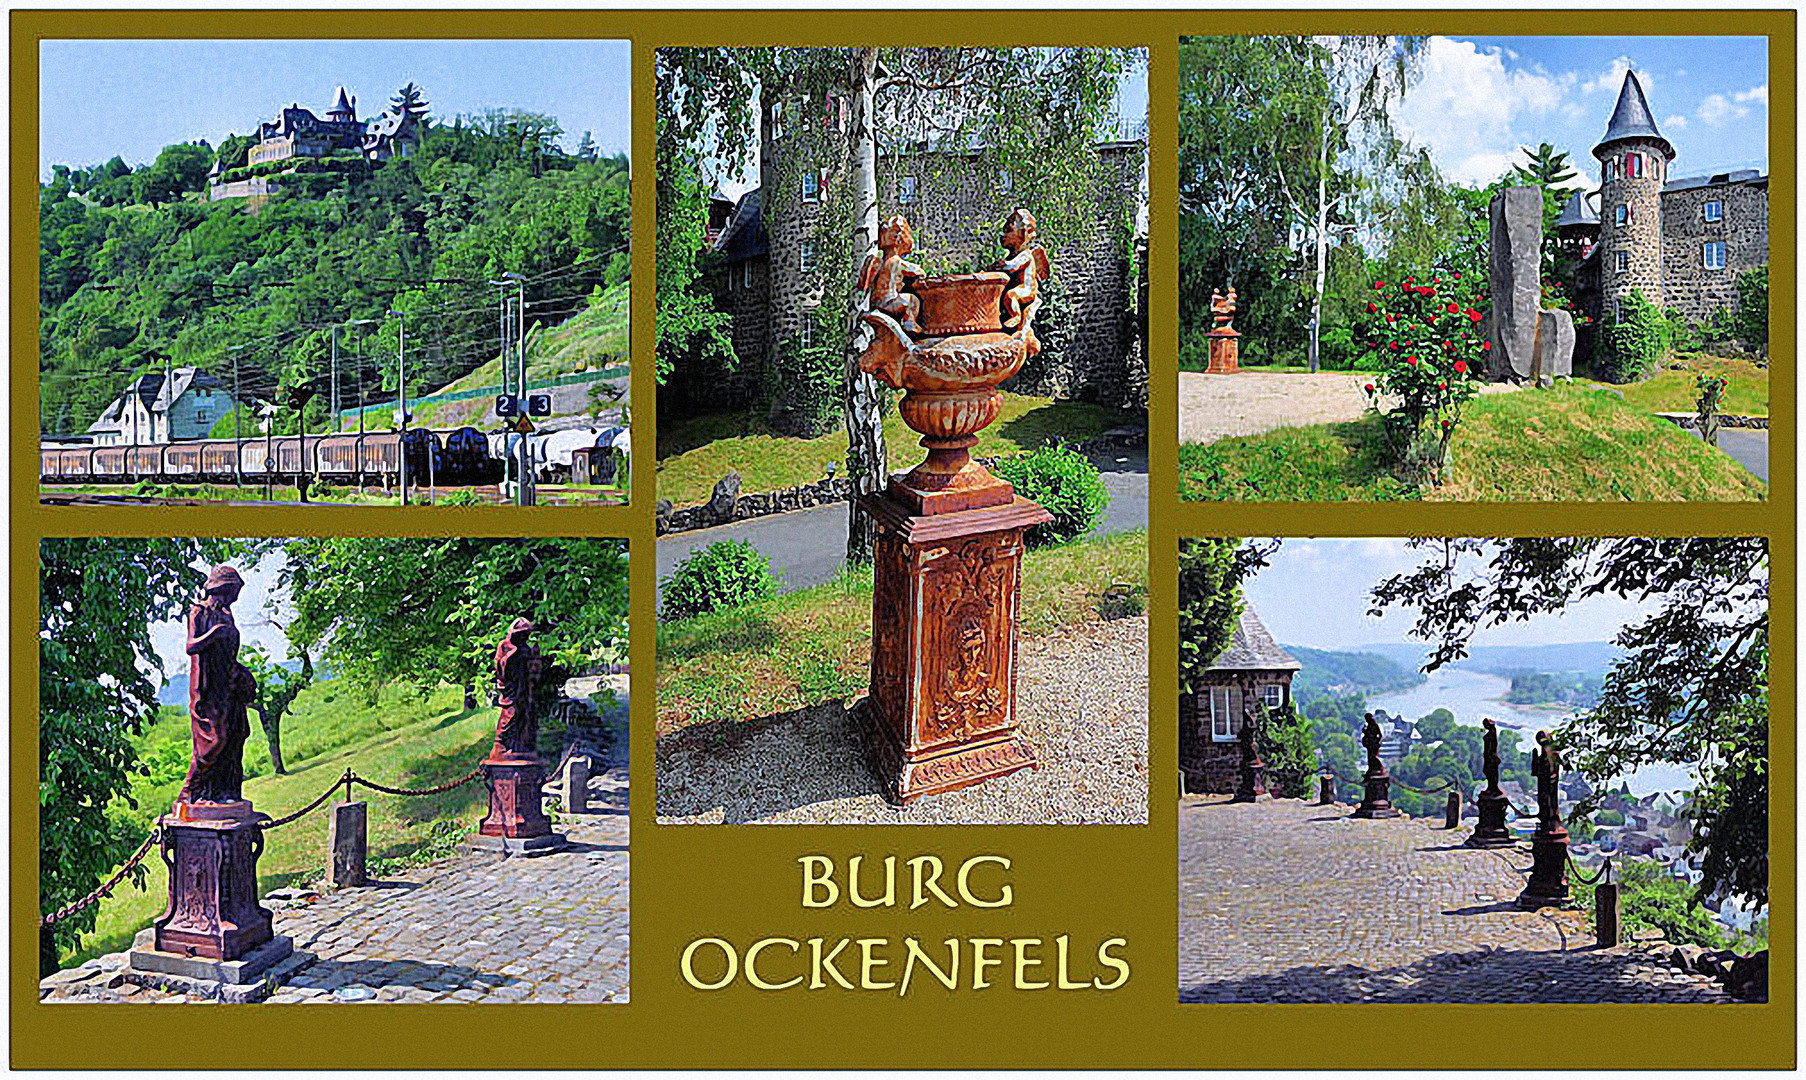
(1676, 122)
(1716, 108)
(1612, 78)
(1757, 94)
(1465, 108)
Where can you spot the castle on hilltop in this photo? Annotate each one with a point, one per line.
(1681, 242)
(298, 135)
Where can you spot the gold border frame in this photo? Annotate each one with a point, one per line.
(741, 883)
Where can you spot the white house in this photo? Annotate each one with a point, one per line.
(155, 409)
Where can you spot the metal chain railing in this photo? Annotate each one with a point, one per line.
(346, 780)
(1439, 789)
(1604, 873)
(105, 890)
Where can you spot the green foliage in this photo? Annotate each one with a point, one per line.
(1553, 688)
(726, 574)
(99, 597)
(1633, 340)
(1359, 672)
(1211, 571)
(691, 335)
(1065, 483)
(1751, 320)
(1652, 899)
(425, 611)
(1287, 749)
(1691, 688)
(121, 285)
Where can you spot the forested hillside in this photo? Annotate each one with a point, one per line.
(138, 269)
(1326, 672)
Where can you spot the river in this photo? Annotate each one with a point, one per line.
(1474, 695)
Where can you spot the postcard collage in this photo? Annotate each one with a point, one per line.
(1169, 519)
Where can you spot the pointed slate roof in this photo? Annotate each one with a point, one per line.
(1577, 212)
(1632, 118)
(341, 103)
(1253, 649)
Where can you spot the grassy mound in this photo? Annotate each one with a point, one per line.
(1671, 389)
(1572, 443)
(693, 454)
(815, 644)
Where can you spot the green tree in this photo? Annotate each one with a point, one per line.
(1211, 571)
(1690, 690)
(1287, 748)
(277, 688)
(97, 689)
(1546, 167)
(425, 612)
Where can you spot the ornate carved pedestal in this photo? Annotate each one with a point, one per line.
(942, 711)
(1225, 351)
(1376, 795)
(1548, 870)
(212, 861)
(516, 822)
(1491, 831)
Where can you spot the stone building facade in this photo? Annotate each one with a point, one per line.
(1681, 242)
(1252, 671)
(768, 274)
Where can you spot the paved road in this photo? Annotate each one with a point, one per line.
(1749, 446)
(1284, 901)
(806, 546)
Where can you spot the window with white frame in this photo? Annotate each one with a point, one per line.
(906, 189)
(807, 256)
(1271, 696)
(1715, 210)
(1224, 705)
(1712, 255)
(746, 274)
(812, 187)
(1623, 261)
(1005, 182)
(1611, 169)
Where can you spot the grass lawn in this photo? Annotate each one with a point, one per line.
(814, 645)
(694, 454)
(1671, 389)
(1573, 442)
(403, 740)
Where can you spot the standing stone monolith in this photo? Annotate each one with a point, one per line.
(1516, 257)
(1554, 356)
(348, 844)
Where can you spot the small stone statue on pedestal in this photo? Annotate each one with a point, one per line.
(213, 940)
(1376, 798)
(516, 823)
(1224, 339)
(1491, 831)
(1251, 783)
(1549, 847)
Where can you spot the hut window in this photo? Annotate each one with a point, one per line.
(1270, 696)
(1715, 211)
(1225, 706)
(1714, 254)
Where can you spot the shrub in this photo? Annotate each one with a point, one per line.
(727, 573)
(1655, 900)
(461, 497)
(1065, 483)
(1752, 309)
(1633, 340)
(1423, 343)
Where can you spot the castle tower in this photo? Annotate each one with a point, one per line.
(344, 109)
(1633, 162)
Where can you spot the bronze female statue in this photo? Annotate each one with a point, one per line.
(517, 670)
(1371, 739)
(1545, 765)
(219, 694)
(1489, 757)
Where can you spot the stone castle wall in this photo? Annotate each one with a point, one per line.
(1686, 283)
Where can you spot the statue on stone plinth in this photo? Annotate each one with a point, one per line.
(517, 671)
(219, 695)
(1489, 757)
(1545, 765)
(1371, 739)
(1222, 309)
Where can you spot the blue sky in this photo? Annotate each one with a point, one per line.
(132, 98)
(260, 601)
(1480, 98)
(1316, 593)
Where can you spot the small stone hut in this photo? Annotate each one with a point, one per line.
(1253, 669)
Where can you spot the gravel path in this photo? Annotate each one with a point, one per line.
(1082, 704)
(1287, 901)
(1213, 407)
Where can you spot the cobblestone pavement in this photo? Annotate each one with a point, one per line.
(1081, 704)
(1287, 901)
(477, 927)
(1213, 407)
